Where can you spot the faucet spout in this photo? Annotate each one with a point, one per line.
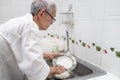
(67, 34)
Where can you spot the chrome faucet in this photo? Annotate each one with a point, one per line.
(67, 34)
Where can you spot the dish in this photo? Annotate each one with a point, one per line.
(68, 61)
(64, 75)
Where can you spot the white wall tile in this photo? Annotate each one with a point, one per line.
(80, 52)
(111, 31)
(90, 30)
(112, 7)
(93, 57)
(111, 64)
(5, 10)
(21, 7)
(13, 8)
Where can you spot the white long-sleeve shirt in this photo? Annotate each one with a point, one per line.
(22, 35)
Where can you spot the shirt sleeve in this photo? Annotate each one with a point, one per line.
(29, 55)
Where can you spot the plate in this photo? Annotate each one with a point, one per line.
(68, 61)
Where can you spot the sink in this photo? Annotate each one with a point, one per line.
(83, 71)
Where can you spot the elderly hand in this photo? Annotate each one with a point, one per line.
(56, 70)
(51, 56)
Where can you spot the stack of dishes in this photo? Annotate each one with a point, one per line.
(68, 61)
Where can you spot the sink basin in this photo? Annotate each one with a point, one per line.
(83, 71)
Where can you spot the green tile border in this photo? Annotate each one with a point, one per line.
(85, 45)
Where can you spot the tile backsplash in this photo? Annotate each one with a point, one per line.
(114, 52)
(95, 34)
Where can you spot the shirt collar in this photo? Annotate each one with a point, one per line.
(29, 16)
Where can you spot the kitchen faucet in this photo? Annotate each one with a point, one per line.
(67, 34)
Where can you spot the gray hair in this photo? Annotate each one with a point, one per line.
(48, 5)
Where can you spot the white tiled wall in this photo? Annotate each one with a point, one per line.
(95, 21)
(111, 64)
(13, 8)
(111, 36)
(112, 7)
(5, 13)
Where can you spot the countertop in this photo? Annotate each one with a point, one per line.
(108, 76)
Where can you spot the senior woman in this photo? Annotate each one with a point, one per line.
(20, 36)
